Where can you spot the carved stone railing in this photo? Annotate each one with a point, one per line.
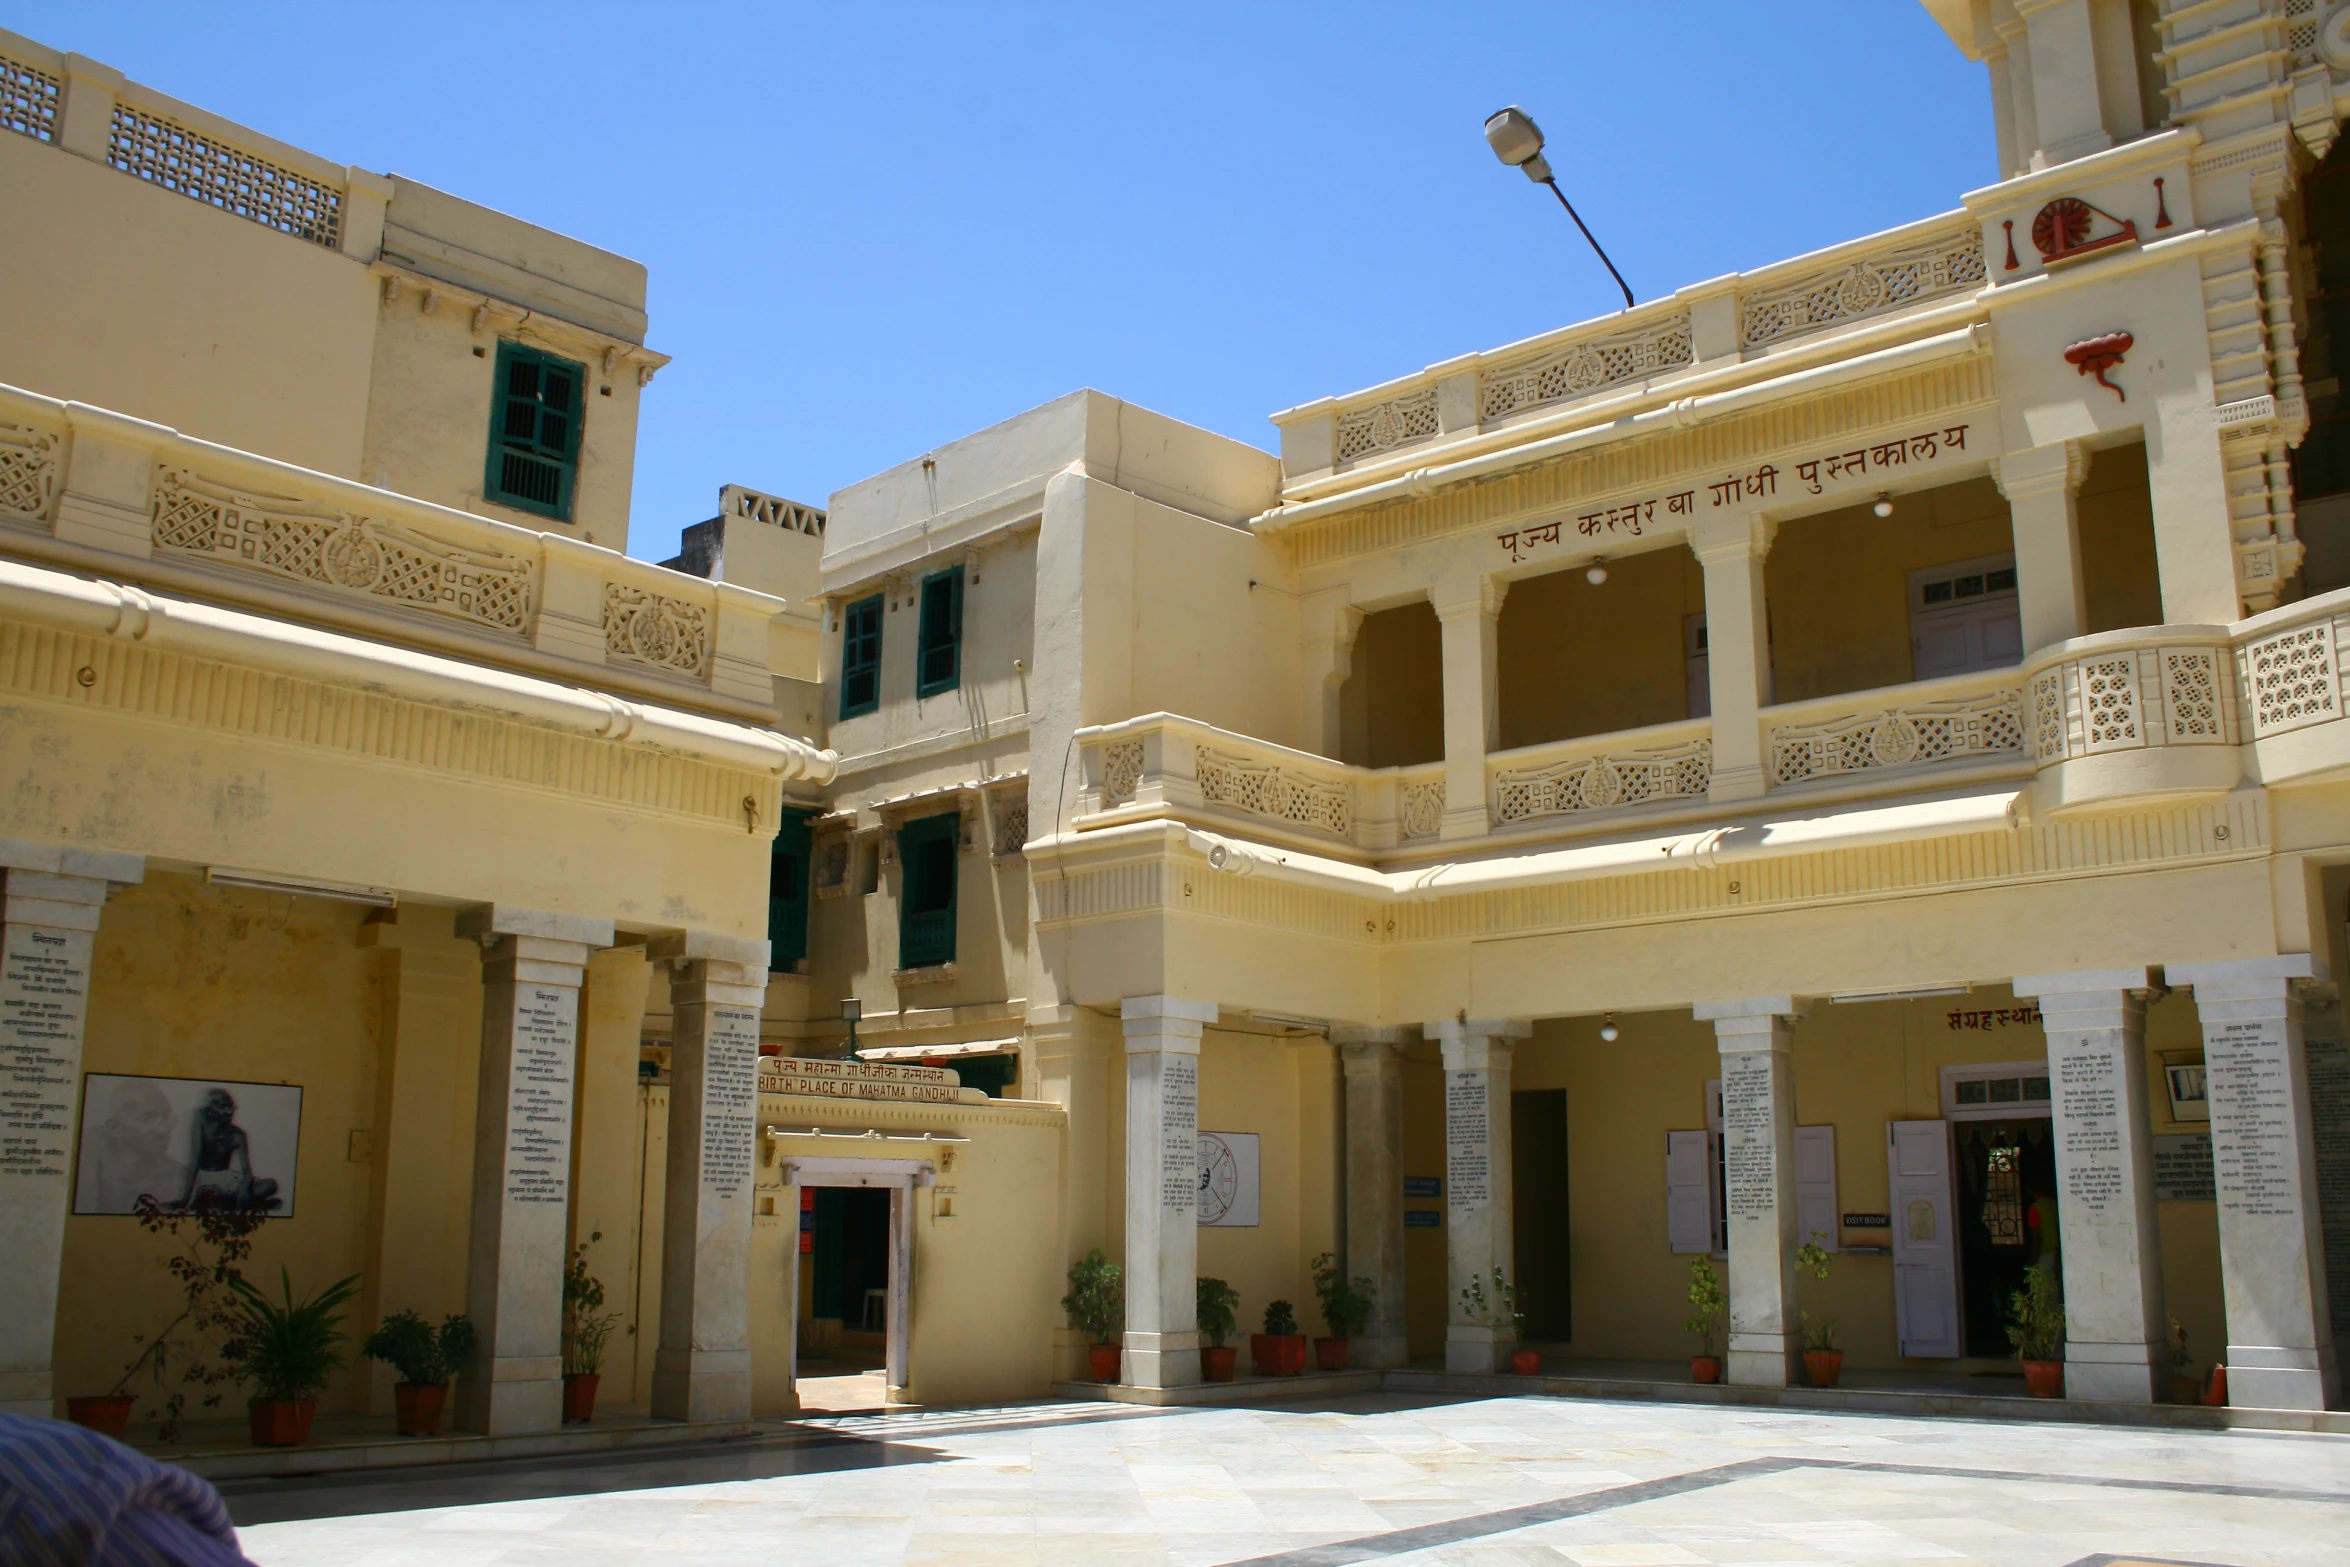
(1602, 772)
(1383, 426)
(1419, 801)
(1583, 366)
(2157, 692)
(1967, 718)
(740, 500)
(134, 500)
(1870, 277)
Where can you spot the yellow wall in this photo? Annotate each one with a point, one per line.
(1839, 584)
(2116, 511)
(1582, 660)
(1391, 705)
(1289, 1095)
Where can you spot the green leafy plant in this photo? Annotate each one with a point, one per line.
(1217, 1305)
(202, 1344)
(1499, 1309)
(1811, 1257)
(1709, 1301)
(585, 1328)
(423, 1355)
(1346, 1303)
(2035, 1316)
(2180, 1360)
(1096, 1302)
(1280, 1318)
(290, 1345)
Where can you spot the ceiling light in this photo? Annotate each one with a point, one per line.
(1884, 506)
(1596, 575)
(340, 892)
(1607, 1029)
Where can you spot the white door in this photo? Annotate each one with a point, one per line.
(1964, 617)
(1925, 1239)
(1692, 1209)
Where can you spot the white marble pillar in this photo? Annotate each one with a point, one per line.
(50, 896)
(1731, 550)
(1162, 1188)
(532, 966)
(1469, 617)
(1373, 1060)
(703, 1368)
(1480, 1228)
(2062, 59)
(1755, 1036)
(2110, 1239)
(2281, 1352)
(2041, 486)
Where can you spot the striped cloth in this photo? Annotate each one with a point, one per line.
(72, 1498)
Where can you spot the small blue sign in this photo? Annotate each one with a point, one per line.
(1422, 1219)
(1423, 1186)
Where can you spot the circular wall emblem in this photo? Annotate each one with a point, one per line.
(1219, 1178)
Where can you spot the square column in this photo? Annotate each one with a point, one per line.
(1469, 617)
(2116, 1332)
(2041, 486)
(1758, 1157)
(703, 1368)
(1738, 649)
(2062, 60)
(1373, 1063)
(2281, 1352)
(532, 966)
(1480, 1234)
(1162, 1188)
(50, 896)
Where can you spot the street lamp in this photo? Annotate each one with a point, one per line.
(1517, 141)
(850, 1010)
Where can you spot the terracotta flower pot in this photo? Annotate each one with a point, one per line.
(1330, 1354)
(1216, 1362)
(108, 1414)
(1823, 1366)
(1526, 1362)
(419, 1406)
(1277, 1354)
(282, 1422)
(1705, 1368)
(579, 1396)
(1102, 1360)
(2215, 1392)
(2044, 1378)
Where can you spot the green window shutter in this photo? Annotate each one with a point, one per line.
(939, 650)
(787, 894)
(927, 854)
(860, 657)
(535, 415)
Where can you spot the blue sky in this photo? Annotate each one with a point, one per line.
(874, 228)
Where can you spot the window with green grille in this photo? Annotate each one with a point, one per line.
(926, 890)
(787, 894)
(535, 413)
(939, 645)
(860, 657)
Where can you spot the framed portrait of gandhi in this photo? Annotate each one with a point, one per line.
(189, 1143)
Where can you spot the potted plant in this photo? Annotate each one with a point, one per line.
(584, 1333)
(1709, 1305)
(1499, 1311)
(1346, 1308)
(1096, 1307)
(289, 1354)
(2184, 1386)
(2035, 1326)
(199, 1346)
(1216, 1302)
(426, 1358)
(1279, 1351)
(1823, 1361)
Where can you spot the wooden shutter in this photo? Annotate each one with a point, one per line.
(927, 865)
(1925, 1239)
(787, 894)
(535, 429)
(1689, 1191)
(939, 646)
(860, 657)
(1816, 1218)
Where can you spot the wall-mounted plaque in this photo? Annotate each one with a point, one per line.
(1422, 1219)
(2182, 1167)
(187, 1142)
(1423, 1186)
(2182, 1074)
(1868, 1221)
(1228, 1184)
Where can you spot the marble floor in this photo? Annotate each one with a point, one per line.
(1514, 1482)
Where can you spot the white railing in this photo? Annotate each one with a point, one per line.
(1869, 277)
(1602, 772)
(266, 534)
(1964, 718)
(1585, 365)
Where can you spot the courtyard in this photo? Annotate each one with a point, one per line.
(1508, 1482)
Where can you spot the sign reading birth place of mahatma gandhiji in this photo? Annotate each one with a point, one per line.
(188, 1143)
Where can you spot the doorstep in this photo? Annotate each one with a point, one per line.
(1872, 1400)
(1240, 1390)
(380, 1447)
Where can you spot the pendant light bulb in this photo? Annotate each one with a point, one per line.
(1596, 575)
(1607, 1029)
(1884, 506)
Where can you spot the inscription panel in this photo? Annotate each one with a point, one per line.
(538, 1095)
(2088, 1102)
(730, 1102)
(2250, 1079)
(1749, 1161)
(1467, 1139)
(1178, 1131)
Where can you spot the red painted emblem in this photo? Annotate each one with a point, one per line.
(2096, 355)
(2067, 229)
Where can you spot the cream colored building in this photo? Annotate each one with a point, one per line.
(1845, 751)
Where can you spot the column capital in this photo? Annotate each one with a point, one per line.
(1369, 1050)
(2260, 975)
(1460, 600)
(1164, 1022)
(1459, 1030)
(2055, 469)
(1789, 1006)
(694, 946)
(504, 919)
(64, 859)
(2082, 982)
(1732, 536)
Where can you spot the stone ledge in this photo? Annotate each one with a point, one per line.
(383, 1450)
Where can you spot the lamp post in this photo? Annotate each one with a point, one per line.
(1517, 141)
(851, 1010)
